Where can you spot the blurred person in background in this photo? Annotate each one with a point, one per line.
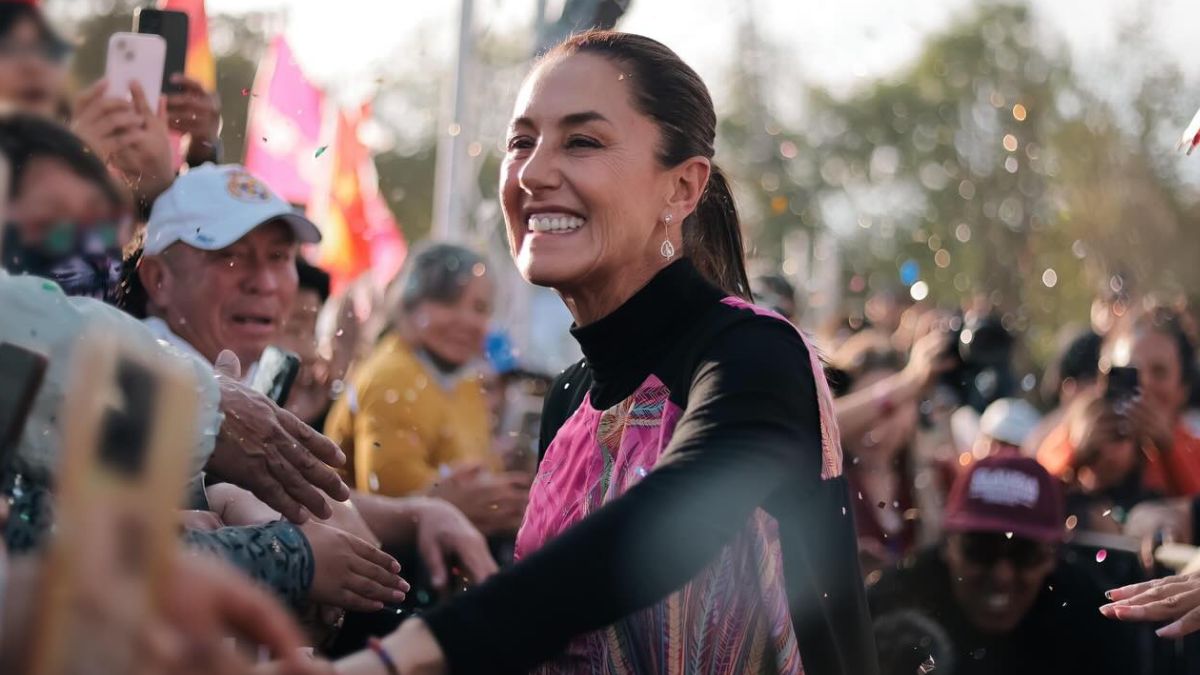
(885, 310)
(311, 394)
(1004, 427)
(1074, 374)
(879, 462)
(414, 418)
(33, 61)
(776, 293)
(64, 210)
(1101, 441)
(218, 273)
(997, 586)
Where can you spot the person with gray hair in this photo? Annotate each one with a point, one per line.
(414, 418)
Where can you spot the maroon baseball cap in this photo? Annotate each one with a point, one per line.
(1007, 493)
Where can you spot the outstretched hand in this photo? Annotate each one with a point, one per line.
(1175, 599)
(271, 453)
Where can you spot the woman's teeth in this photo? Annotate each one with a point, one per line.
(554, 222)
(998, 601)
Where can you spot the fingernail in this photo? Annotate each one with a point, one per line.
(438, 580)
(395, 567)
(1170, 630)
(1108, 594)
(397, 596)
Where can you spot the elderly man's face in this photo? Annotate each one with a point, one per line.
(236, 298)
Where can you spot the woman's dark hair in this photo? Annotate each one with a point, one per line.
(1078, 360)
(13, 13)
(1169, 323)
(25, 137)
(668, 91)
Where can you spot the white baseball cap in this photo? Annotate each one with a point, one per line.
(213, 206)
(1009, 420)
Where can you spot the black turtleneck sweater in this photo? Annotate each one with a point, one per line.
(749, 437)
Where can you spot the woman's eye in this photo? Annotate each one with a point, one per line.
(519, 143)
(582, 142)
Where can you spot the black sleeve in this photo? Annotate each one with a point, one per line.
(751, 423)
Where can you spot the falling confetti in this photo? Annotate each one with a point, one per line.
(1106, 512)
(1008, 535)
(321, 150)
(1101, 555)
(1191, 137)
(245, 91)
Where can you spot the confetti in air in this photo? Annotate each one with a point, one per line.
(1101, 555)
(245, 91)
(1191, 137)
(321, 150)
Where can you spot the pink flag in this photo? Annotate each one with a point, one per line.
(284, 129)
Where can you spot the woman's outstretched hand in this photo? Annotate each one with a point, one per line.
(1175, 599)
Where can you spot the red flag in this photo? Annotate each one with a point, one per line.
(359, 232)
(1191, 136)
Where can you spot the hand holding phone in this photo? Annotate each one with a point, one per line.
(139, 58)
(277, 369)
(172, 26)
(1122, 384)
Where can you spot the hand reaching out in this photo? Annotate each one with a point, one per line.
(1175, 599)
(350, 573)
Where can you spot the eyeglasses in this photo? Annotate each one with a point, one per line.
(50, 51)
(988, 548)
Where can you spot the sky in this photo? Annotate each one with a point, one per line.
(834, 43)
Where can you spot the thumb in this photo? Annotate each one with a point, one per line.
(431, 555)
(228, 365)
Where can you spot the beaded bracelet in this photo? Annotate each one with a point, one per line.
(376, 646)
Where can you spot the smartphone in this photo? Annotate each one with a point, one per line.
(1122, 384)
(21, 374)
(172, 26)
(133, 57)
(277, 370)
(125, 448)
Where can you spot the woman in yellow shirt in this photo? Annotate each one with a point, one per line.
(413, 418)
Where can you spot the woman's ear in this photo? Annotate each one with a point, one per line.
(688, 181)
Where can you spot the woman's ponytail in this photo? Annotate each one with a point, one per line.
(712, 238)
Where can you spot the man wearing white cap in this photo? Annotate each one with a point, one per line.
(219, 265)
(219, 270)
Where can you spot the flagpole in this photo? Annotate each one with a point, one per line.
(449, 218)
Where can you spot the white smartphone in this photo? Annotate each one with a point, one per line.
(136, 57)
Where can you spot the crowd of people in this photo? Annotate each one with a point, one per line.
(713, 492)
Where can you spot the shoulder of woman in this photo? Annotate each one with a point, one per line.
(761, 342)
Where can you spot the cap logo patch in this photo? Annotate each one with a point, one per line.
(244, 187)
(1004, 487)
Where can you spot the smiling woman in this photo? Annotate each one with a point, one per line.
(689, 514)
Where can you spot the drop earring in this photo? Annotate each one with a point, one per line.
(667, 250)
